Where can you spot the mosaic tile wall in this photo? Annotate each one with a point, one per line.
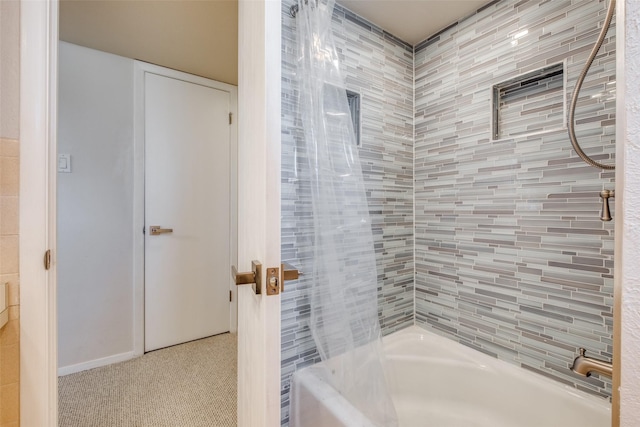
(380, 68)
(511, 258)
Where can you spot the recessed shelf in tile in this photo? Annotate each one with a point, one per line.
(529, 104)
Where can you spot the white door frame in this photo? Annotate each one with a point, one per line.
(38, 117)
(38, 299)
(140, 68)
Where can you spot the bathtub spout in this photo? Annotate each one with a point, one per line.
(584, 365)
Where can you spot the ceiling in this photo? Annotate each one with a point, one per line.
(413, 20)
(198, 37)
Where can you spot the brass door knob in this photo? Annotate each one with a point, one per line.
(290, 272)
(248, 278)
(272, 283)
(156, 230)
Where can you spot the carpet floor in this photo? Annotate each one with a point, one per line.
(190, 385)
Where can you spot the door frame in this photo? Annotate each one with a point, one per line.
(38, 293)
(38, 152)
(139, 69)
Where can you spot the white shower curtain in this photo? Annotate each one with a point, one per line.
(344, 306)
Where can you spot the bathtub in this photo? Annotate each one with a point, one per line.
(436, 382)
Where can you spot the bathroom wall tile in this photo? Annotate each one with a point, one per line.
(508, 241)
(14, 287)
(10, 364)
(10, 398)
(379, 67)
(10, 334)
(14, 314)
(9, 176)
(510, 258)
(9, 188)
(9, 253)
(9, 147)
(9, 221)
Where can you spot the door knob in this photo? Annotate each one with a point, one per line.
(272, 284)
(156, 230)
(249, 278)
(290, 272)
(253, 277)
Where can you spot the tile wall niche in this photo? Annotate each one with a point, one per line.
(379, 67)
(511, 257)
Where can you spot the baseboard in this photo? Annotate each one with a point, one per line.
(96, 363)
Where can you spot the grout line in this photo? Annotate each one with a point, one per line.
(413, 177)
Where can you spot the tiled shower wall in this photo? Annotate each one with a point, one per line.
(380, 68)
(511, 258)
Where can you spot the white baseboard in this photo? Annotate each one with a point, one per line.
(96, 363)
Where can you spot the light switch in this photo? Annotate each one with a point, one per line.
(64, 163)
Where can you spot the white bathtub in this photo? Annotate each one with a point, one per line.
(436, 382)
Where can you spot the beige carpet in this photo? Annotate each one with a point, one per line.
(191, 385)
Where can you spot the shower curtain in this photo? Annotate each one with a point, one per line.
(344, 306)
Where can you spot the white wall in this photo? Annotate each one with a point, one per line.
(95, 209)
(628, 238)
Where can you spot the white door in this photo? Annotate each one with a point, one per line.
(187, 197)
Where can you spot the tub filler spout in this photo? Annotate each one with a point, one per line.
(584, 365)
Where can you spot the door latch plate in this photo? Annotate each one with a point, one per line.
(273, 281)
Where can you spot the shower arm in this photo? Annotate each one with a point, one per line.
(576, 91)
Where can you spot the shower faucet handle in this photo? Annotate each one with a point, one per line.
(605, 195)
